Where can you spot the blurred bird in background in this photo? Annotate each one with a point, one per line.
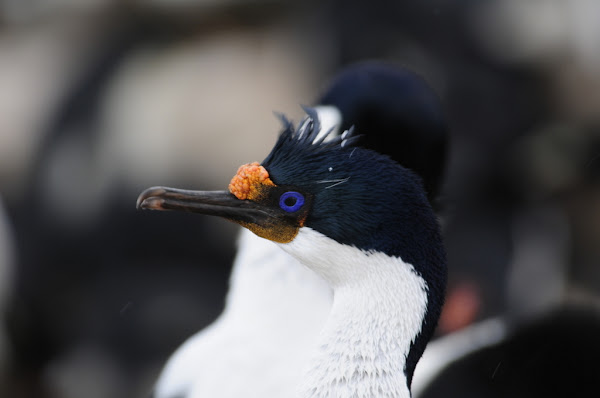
(101, 99)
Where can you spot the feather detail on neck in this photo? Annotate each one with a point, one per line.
(378, 310)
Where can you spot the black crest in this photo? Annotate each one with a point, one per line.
(307, 137)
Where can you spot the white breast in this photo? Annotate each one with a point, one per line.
(378, 310)
(260, 344)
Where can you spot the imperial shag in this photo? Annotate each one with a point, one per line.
(317, 191)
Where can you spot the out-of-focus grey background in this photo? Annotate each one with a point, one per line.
(100, 99)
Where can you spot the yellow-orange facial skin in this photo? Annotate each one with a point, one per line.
(253, 201)
(276, 233)
(252, 182)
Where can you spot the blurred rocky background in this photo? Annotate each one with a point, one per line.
(100, 99)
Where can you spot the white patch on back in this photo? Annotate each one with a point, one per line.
(330, 118)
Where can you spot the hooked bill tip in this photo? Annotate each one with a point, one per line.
(148, 200)
(152, 204)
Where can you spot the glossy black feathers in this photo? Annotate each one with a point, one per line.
(307, 138)
(361, 198)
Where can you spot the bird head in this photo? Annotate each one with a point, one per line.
(353, 195)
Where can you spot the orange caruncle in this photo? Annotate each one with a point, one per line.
(249, 181)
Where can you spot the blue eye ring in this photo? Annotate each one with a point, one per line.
(291, 201)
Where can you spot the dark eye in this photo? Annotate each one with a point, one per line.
(291, 201)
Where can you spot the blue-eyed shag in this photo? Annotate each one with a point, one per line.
(282, 323)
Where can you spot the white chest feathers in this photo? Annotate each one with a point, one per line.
(378, 310)
(260, 345)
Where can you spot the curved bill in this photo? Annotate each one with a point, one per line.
(215, 203)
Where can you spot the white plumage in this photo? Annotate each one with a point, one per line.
(260, 344)
(378, 309)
